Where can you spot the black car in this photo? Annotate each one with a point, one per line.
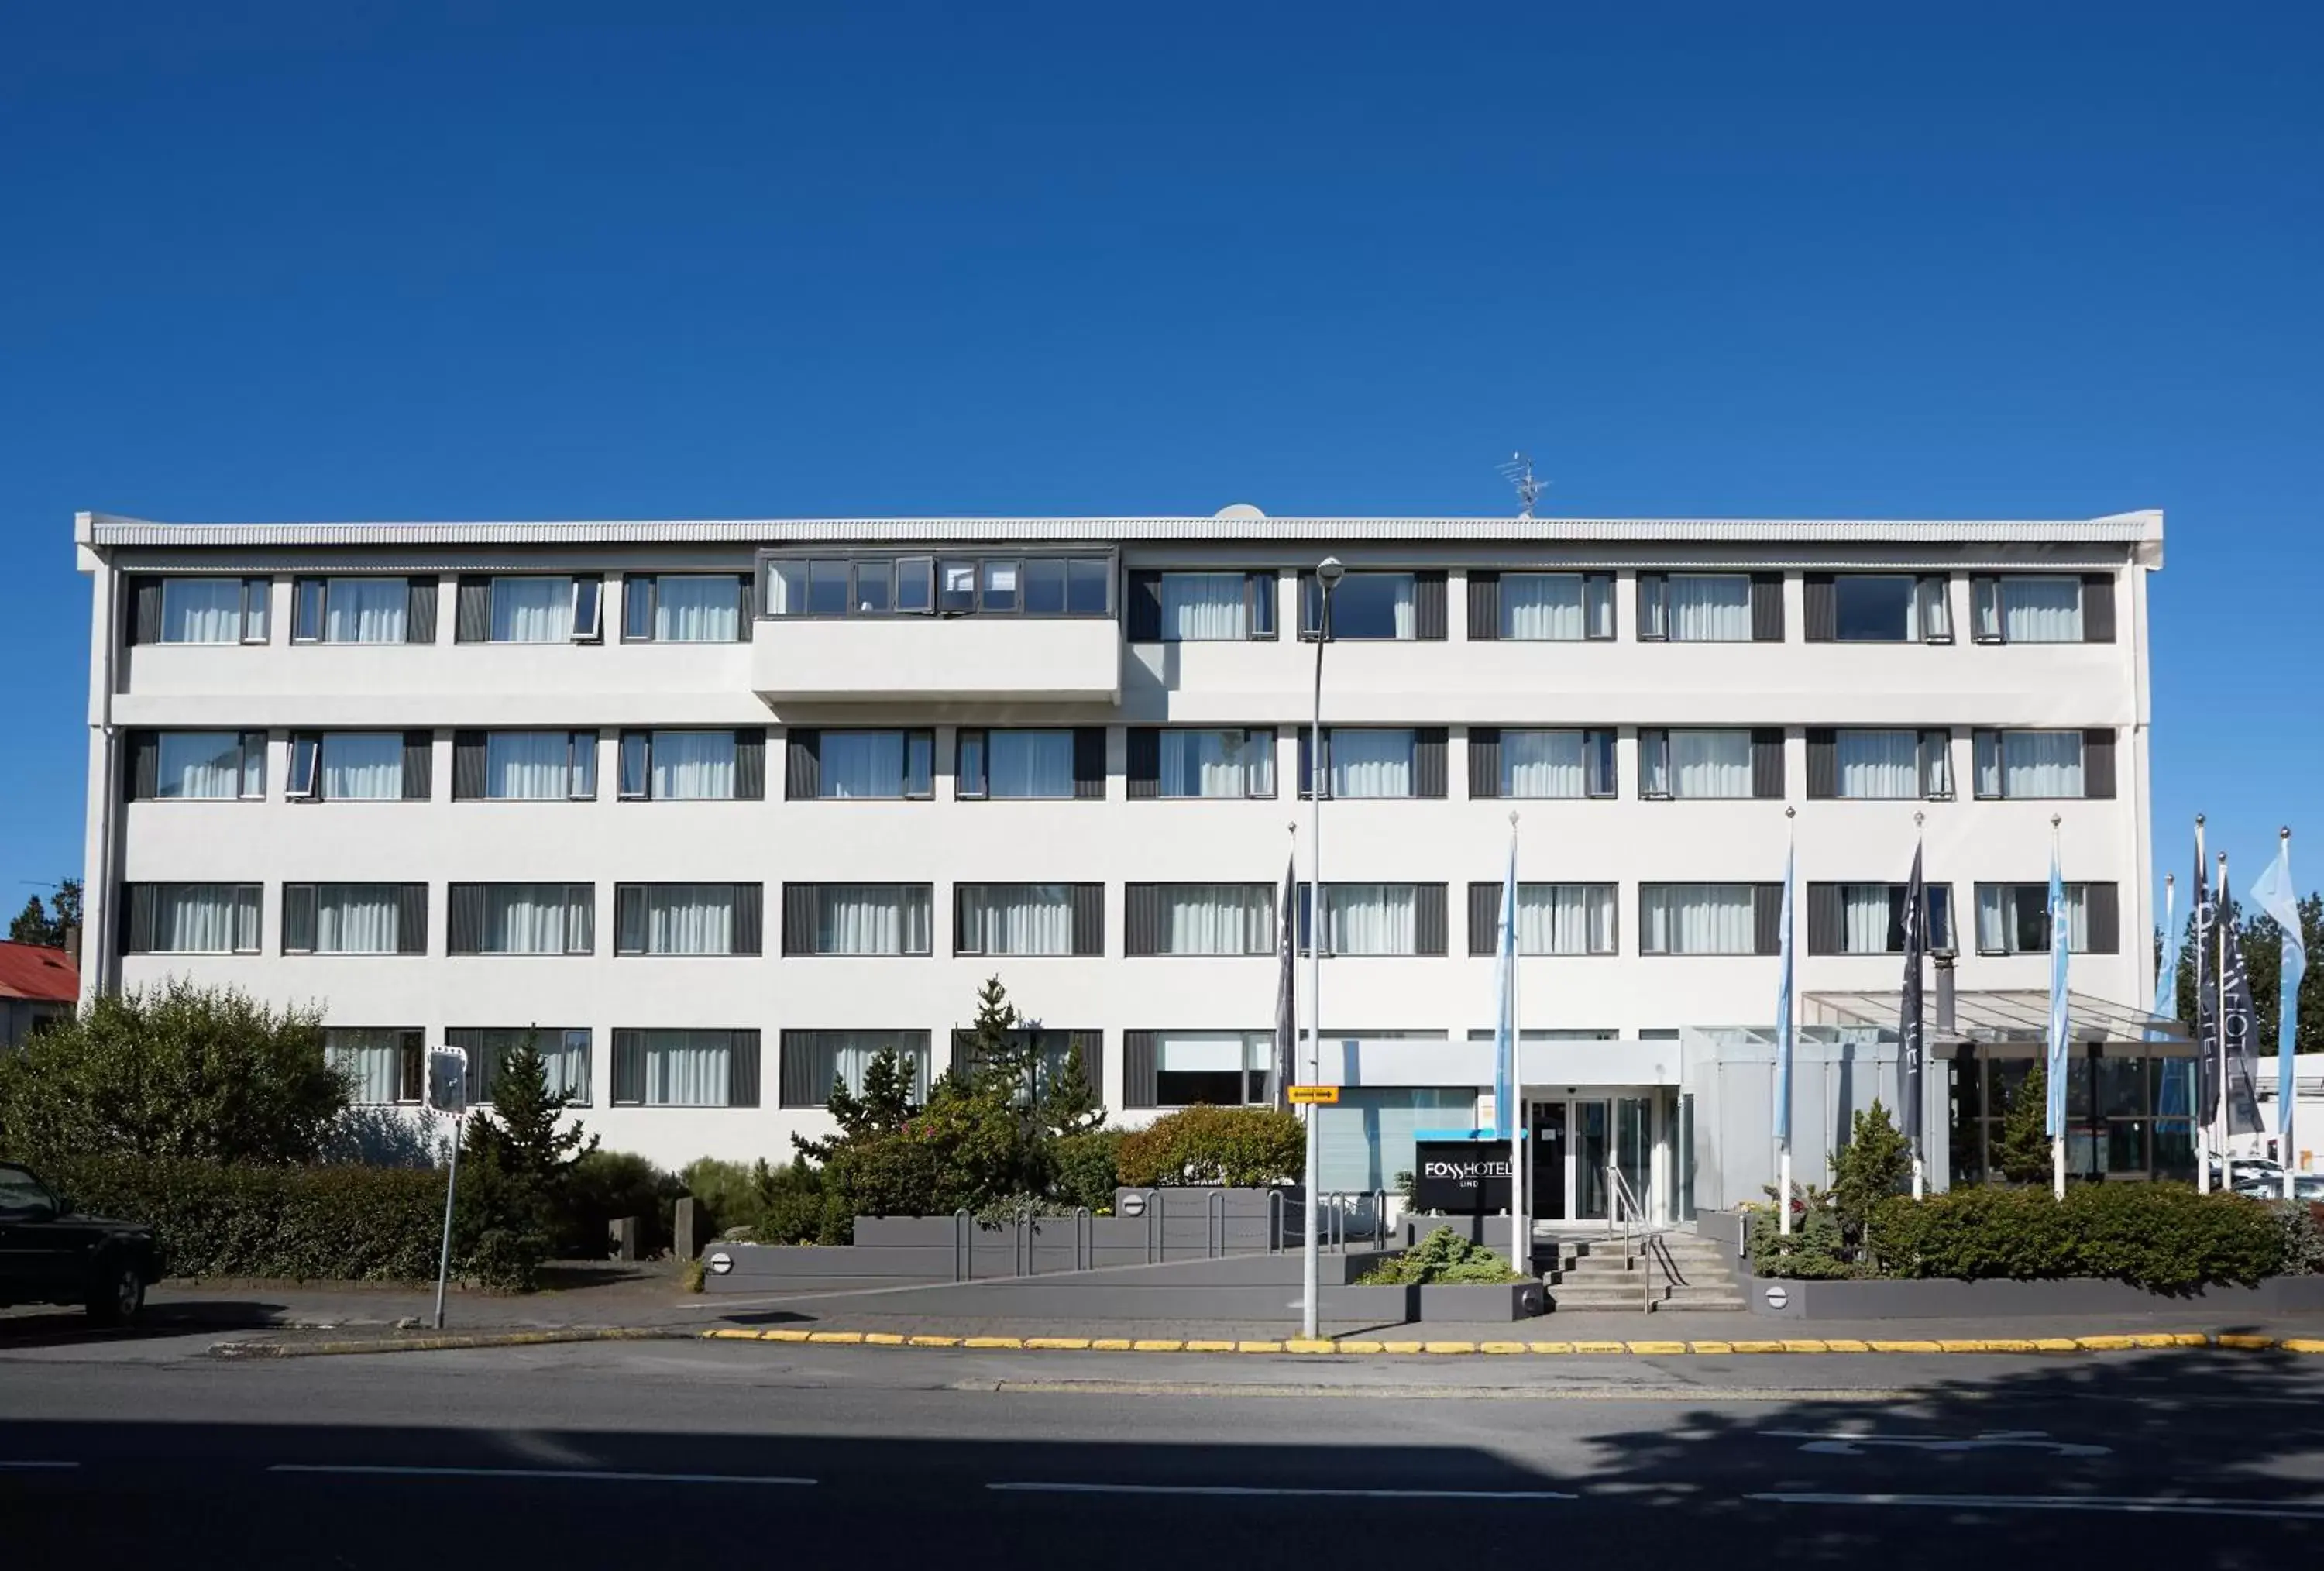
(51, 1256)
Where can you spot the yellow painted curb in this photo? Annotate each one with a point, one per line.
(1807, 1344)
(882, 1339)
(2053, 1344)
(1449, 1346)
(2302, 1344)
(1151, 1346)
(1110, 1345)
(1905, 1347)
(1656, 1348)
(1501, 1347)
(2248, 1344)
(1399, 1347)
(732, 1333)
(995, 1343)
(1306, 1344)
(845, 1339)
(1758, 1348)
(1193, 1346)
(2104, 1344)
(1842, 1344)
(783, 1334)
(2165, 1340)
(1599, 1348)
(1057, 1344)
(1259, 1347)
(1361, 1346)
(1551, 1346)
(1711, 1347)
(1963, 1344)
(935, 1342)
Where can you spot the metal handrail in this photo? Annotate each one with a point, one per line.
(1623, 1203)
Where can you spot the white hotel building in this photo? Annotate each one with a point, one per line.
(720, 807)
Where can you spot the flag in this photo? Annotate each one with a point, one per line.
(2061, 936)
(2238, 1025)
(2273, 893)
(1287, 1028)
(1783, 1008)
(1505, 1013)
(2207, 1001)
(1912, 1035)
(2166, 970)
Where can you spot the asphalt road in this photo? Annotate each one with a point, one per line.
(684, 1454)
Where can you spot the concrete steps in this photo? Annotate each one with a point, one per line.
(1684, 1273)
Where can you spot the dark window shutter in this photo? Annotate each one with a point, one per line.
(1313, 772)
(1768, 918)
(1428, 919)
(2097, 608)
(749, 918)
(471, 615)
(751, 764)
(803, 770)
(138, 918)
(1767, 764)
(1484, 762)
(1484, 919)
(1089, 762)
(1143, 767)
(1822, 608)
(1260, 591)
(2097, 764)
(628, 1067)
(1139, 1052)
(1984, 592)
(411, 918)
(1428, 606)
(1144, 607)
(298, 918)
(1310, 605)
(419, 597)
(464, 919)
(1935, 751)
(1141, 919)
(746, 609)
(419, 766)
(1825, 919)
(964, 1056)
(1484, 607)
(795, 1061)
(1824, 763)
(1428, 762)
(1093, 1050)
(143, 777)
(743, 1051)
(1089, 919)
(145, 610)
(798, 918)
(467, 766)
(2105, 908)
(959, 917)
(1768, 607)
(629, 916)
(411, 1053)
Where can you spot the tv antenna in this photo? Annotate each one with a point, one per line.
(1519, 473)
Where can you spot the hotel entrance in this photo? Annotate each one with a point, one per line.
(1581, 1142)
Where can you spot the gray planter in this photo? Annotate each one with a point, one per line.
(1480, 1302)
(1945, 1298)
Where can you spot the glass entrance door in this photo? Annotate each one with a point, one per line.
(1634, 1146)
(1547, 1159)
(1591, 1119)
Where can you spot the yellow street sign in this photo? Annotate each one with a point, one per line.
(1317, 1096)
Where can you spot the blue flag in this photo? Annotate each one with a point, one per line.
(1505, 1013)
(2060, 933)
(1783, 1007)
(2166, 974)
(2273, 893)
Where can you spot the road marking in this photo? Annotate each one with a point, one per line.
(37, 1464)
(1272, 1492)
(2137, 1506)
(1517, 1393)
(1837, 1443)
(575, 1474)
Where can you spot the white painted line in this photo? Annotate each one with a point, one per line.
(1266, 1491)
(2141, 1505)
(576, 1474)
(33, 1465)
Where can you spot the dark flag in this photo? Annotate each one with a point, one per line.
(2207, 1001)
(1286, 1028)
(2239, 1026)
(1912, 1034)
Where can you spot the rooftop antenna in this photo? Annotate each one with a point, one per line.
(1519, 473)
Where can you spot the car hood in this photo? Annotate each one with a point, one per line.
(110, 1223)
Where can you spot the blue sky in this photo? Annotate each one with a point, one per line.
(420, 260)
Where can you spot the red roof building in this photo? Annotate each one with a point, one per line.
(36, 984)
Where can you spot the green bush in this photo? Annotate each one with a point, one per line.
(2163, 1237)
(316, 1223)
(604, 1186)
(1239, 1147)
(1813, 1249)
(1876, 1162)
(766, 1204)
(1443, 1256)
(1088, 1170)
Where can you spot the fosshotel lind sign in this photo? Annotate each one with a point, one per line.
(1462, 1177)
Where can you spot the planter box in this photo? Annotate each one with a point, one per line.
(1945, 1298)
(1482, 1302)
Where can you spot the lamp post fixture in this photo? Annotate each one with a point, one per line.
(1328, 574)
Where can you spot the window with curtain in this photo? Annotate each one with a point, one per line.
(540, 765)
(1872, 918)
(209, 765)
(1212, 1068)
(2029, 763)
(697, 608)
(678, 919)
(1234, 763)
(679, 766)
(884, 585)
(539, 919)
(1369, 763)
(361, 766)
(2029, 608)
(533, 610)
(1371, 1135)
(687, 1068)
(383, 1064)
(1565, 919)
(871, 918)
(1557, 763)
(1204, 607)
(1933, 608)
(2014, 919)
(814, 1061)
(1686, 764)
(1015, 919)
(1371, 918)
(1697, 608)
(1556, 606)
(564, 1054)
(358, 610)
(1217, 919)
(1696, 918)
(1369, 606)
(1878, 765)
(355, 919)
(213, 610)
(878, 764)
(204, 919)
(1873, 607)
(1016, 765)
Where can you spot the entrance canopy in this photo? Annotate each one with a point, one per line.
(2007, 1017)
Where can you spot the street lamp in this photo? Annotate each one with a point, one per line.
(1328, 574)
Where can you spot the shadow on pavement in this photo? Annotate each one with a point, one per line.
(50, 1328)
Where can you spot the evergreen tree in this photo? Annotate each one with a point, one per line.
(2022, 1151)
(47, 924)
(1877, 1162)
(523, 1136)
(2263, 949)
(883, 1108)
(1069, 1105)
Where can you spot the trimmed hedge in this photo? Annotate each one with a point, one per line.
(1239, 1147)
(319, 1224)
(2162, 1237)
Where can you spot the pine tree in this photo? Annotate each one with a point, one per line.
(2022, 1152)
(1001, 1054)
(884, 1107)
(1069, 1105)
(1875, 1164)
(523, 1136)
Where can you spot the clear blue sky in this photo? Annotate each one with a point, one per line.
(444, 260)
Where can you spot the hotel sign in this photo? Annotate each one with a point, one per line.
(1461, 1177)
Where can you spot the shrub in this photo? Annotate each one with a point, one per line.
(766, 1204)
(1239, 1147)
(1087, 1168)
(1876, 1162)
(1815, 1249)
(2160, 1237)
(604, 1186)
(1443, 1256)
(2021, 1150)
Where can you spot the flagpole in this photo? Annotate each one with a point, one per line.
(2058, 1066)
(1520, 1223)
(2202, 1121)
(2227, 1123)
(1921, 917)
(1784, 1039)
(2287, 1008)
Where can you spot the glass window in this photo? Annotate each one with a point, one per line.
(2014, 919)
(1878, 765)
(956, 587)
(209, 765)
(679, 766)
(1015, 919)
(1232, 762)
(871, 918)
(564, 1054)
(198, 918)
(787, 588)
(1087, 581)
(1696, 918)
(1367, 1141)
(1696, 607)
(1556, 606)
(1687, 764)
(1216, 919)
(1873, 607)
(1212, 1068)
(1557, 763)
(1366, 919)
(351, 918)
(678, 919)
(538, 918)
(382, 1065)
(875, 589)
(1045, 586)
(827, 590)
(880, 585)
(361, 766)
(1000, 585)
(344, 610)
(915, 585)
(1028, 764)
(697, 608)
(880, 765)
(209, 611)
(1368, 762)
(1205, 607)
(816, 1061)
(1368, 605)
(2029, 763)
(535, 766)
(1565, 919)
(533, 610)
(685, 1069)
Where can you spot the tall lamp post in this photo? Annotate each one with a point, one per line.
(1328, 574)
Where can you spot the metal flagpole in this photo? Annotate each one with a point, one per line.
(1521, 1223)
(2058, 1066)
(1327, 578)
(1783, 1040)
(2202, 1120)
(2220, 980)
(1919, 1046)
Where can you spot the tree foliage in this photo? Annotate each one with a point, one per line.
(1876, 1162)
(1240, 1147)
(521, 1151)
(2022, 1151)
(2262, 942)
(46, 924)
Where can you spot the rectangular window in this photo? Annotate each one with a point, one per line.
(1555, 763)
(534, 766)
(1377, 919)
(384, 1066)
(523, 918)
(1212, 1068)
(1552, 919)
(1012, 765)
(685, 1069)
(192, 919)
(565, 1053)
(813, 1062)
(681, 766)
(1367, 762)
(1694, 764)
(348, 610)
(683, 607)
(1365, 606)
(347, 766)
(2027, 608)
(1697, 919)
(1205, 607)
(1873, 608)
(1017, 918)
(1200, 919)
(2014, 919)
(1868, 919)
(1696, 607)
(857, 918)
(687, 918)
(862, 765)
(541, 610)
(1234, 762)
(880, 585)
(1879, 766)
(1368, 1137)
(203, 610)
(171, 766)
(355, 918)
(2029, 763)
(1558, 607)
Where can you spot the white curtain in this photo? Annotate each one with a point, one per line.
(1369, 763)
(1937, 773)
(534, 918)
(862, 763)
(363, 766)
(2010, 918)
(1709, 607)
(1878, 763)
(1017, 918)
(201, 611)
(1217, 919)
(1218, 763)
(871, 919)
(2041, 609)
(1543, 763)
(694, 765)
(1028, 763)
(533, 610)
(682, 919)
(687, 1068)
(1373, 606)
(2041, 763)
(372, 1060)
(1371, 918)
(205, 919)
(842, 1057)
(364, 610)
(565, 1055)
(1710, 763)
(1697, 919)
(1541, 605)
(1197, 606)
(694, 609)
(1934, 611)
(1864, 915)
(199, 764)
(1565, 919)
(528, 765)
(355, 918)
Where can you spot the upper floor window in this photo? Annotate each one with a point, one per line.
(1011, 583)
(1029, 919)
(857, 918)
(521, 918)
(1868, 765)
(197, 766)
(1686, 764)
(362, 766)
(535, 608)
(1552, 919)
(1020, 764)
(1198, 918)
(1379, 762)
(2044, 763)
(355, 918)
(2041, 608)
(1559, 608)
(1868, 919)
(191, 918)
(1178, 1069)
(860, 765)
(1710, 919)
(687, 919)
(1877, 608)
(684, 607)
(363, 610)
(1234, 763)
(1710, 608)
(1200, 607)
(199, 610)
(694, 766)
(1508, 762)
(2014, 919)
(383, 1066)
(1376, 918)
(1375, 606)
(685, 1069)
(564, 1053)
(529, 766)
(813, 1062)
